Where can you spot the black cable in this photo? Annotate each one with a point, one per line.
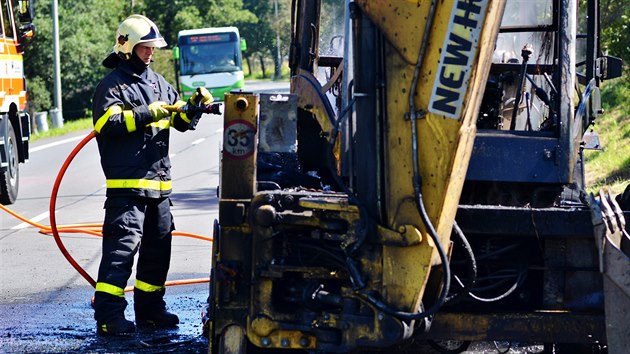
(517, 283)
(408, 316)
(472, 270)
(361, 232)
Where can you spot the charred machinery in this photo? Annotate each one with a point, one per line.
(423, 180)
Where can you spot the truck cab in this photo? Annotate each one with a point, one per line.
(15, 124)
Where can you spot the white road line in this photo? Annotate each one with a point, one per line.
(60, 142)
(24, 225)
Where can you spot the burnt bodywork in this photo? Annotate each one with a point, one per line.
(337, 232)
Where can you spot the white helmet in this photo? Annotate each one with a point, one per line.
(136, 29)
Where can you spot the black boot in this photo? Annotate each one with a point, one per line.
(163, 319)
(109, 314)
(151, 310)
(115, 327)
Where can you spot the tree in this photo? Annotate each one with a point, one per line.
(84, 43)
(615, 33)
(265, 32)
(81, 50)
(87, 29)
(258, 35)
(172, 16)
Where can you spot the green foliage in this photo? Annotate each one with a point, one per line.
(188, 18)
(68, 127)
(615, 29)
(86, 31)
(260, 36)
(83, 51)
(39, 98)
(611, 166)
(84, 43)
(163, 64)
(172, 16)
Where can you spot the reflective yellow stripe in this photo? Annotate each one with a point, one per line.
(161, 124)
(184, 117)
(140, 183)
(130, 122)
(110, 289)
(146, 287)
(103, 119)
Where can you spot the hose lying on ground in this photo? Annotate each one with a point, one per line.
(90, 229)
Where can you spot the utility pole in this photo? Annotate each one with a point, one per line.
(56, 112)
(278, 68)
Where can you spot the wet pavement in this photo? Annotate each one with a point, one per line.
(63, 323)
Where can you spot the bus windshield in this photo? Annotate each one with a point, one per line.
(209, 53)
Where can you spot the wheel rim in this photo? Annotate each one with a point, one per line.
(12, 168)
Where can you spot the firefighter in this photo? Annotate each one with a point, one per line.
(132, 130)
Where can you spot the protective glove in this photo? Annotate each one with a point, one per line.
(177, 106)
(157, 110)
(201, 97)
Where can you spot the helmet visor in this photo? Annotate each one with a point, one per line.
(157, 43)
(153, 39)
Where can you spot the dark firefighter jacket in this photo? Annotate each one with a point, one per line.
(133, 148)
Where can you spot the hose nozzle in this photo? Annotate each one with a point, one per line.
(214, 108)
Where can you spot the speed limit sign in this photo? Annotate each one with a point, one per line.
(238, 139)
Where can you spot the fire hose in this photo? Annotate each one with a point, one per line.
(96, 229)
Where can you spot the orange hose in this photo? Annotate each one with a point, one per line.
(92, 229)
(18, 216)
(53, 202)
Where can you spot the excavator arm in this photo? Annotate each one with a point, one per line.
(422, 180)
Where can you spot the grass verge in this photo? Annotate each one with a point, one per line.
(68, 127)
(610, 167)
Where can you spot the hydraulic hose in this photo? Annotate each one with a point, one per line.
(91, 229)
(472, 269)
(417, 183)
(417, 186)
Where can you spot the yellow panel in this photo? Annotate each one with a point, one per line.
(240, 125)
(449, 91)
(402, 23)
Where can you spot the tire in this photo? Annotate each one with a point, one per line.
(9, 178)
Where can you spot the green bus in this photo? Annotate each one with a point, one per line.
(209, 57)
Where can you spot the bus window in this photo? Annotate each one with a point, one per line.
(6, 19)
(210, 57)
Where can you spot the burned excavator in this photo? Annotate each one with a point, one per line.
(422, 182)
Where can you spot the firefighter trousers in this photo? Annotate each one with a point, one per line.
(133, 225)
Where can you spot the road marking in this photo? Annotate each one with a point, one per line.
(60, 142)
(24, 225)
(198, 141)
